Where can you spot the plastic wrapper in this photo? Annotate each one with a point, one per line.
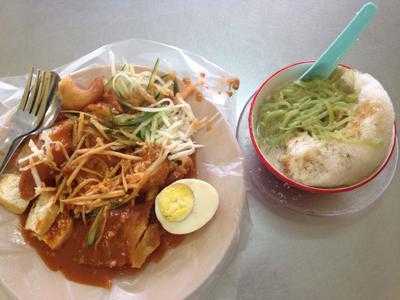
(192, 268)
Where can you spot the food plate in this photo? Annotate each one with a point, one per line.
(182, 270)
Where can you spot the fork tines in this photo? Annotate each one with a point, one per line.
(39, 87)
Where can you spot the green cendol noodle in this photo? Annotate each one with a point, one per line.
(319, 107)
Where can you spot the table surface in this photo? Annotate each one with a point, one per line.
(287, 256)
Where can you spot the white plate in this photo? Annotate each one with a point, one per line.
(182, 270)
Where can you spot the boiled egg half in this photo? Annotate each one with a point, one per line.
(186, 205)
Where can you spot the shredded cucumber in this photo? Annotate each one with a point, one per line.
(152, 111)
(132, 120)
(153, 74)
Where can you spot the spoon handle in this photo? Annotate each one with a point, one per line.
(328, 61)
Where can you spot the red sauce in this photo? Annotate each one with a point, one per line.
(90, 265)
(64, 259)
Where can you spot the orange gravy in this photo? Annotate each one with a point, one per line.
(64, 258)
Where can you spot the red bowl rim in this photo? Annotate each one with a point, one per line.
(288, 180)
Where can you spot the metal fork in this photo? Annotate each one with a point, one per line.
(48, 121)
(30, 112)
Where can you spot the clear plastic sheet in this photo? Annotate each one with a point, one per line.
(199, 262)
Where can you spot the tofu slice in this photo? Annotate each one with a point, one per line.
(9, 194)
(147, 245)
(42, 214)
(136, 226)
(59, 232)
(22, 151)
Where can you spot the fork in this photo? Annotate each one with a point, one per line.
(31, 110)
(49, 119)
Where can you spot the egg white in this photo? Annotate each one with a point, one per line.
(206, 201)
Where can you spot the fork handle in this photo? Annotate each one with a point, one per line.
(12, 141)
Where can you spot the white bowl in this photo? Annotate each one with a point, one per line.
(274, 82)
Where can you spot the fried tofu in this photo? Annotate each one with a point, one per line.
(42, 214)
(159, 177)
(59, 232)
(136, 226)
(9, 194)
(150, 241)
(22, 151)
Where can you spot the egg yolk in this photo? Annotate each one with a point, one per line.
(176, 202)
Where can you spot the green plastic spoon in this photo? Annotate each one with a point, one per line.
(328, 61)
